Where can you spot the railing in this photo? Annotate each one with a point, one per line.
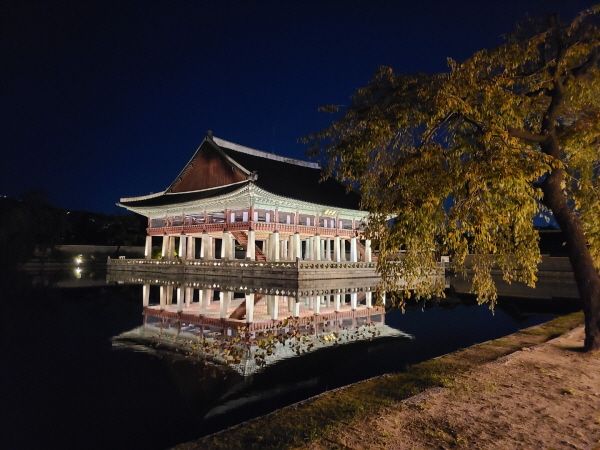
(336, 265)
(243, 264)
(134, 262)
(244, 226)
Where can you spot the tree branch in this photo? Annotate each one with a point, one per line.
(587, 65)
(527, 135)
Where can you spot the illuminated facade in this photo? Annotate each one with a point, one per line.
(230, 197)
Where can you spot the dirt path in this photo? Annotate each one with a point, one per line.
(543, 397)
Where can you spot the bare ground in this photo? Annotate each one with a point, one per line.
(542, 397)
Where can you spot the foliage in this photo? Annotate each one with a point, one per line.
(31, 223)
(463, 161)
(28, 224)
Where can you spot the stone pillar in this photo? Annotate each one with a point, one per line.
(336, 249)
(207, 247)
(284, 249)
(369, 299)
(249, 308)
(296, 312)
(148, 248)
(368, 257)
(146, 295)
(180, 293)
(307, 251)
(353, 250)
(183, 246)
(318, 305)
(172, 248)
(297, 247)
(226, 245)
(274, 307)
(275, 244)
(328, 249)
(189, 296)
(191, 248)
(165, 247)
(225, 298)
(232, 244)
(290, 246)
(343, 250)
(267, 247)
(353, 301)
(201, 302)
(317, 246)
(163, 297)
(251, 250)
(337, 302)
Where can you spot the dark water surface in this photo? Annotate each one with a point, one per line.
(65, 386)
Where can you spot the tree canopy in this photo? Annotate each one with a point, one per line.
(463, 161)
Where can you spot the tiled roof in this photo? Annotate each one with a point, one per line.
(183, 197)
(295, 181)
(298, 180)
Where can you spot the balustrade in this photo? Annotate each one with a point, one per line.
(242, 226)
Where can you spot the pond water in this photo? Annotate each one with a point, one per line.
(73, 377)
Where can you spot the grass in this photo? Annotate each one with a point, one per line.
(298, 425)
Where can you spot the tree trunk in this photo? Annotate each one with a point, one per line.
(586, 275)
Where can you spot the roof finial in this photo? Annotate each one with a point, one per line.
(209, 134)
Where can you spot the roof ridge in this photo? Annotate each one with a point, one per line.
(262, 154)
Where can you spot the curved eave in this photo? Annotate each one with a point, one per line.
(301, 204)
(245, 191)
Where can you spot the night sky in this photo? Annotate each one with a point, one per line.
(108, 99)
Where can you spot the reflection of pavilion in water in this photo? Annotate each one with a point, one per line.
(249, 326)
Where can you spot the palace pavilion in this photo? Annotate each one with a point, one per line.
(230, 197)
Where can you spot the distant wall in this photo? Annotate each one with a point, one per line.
(109, 250)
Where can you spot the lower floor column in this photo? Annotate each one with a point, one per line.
(163, 297)
(251, 250)
(297, 247)
(225, 297)
(249, 308)
(207, 247)
(307, 250)
(337, 302)
(146, 295)
(336, 249)
(180, 294)
(182, 246)
(275, 245)
(318, 253)
(165, 247)
(353, 301)
(369, 299)
(171, 251)
(189, 296)
(191, 248)
(353, 250)
(226, 245)
(148, 248)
